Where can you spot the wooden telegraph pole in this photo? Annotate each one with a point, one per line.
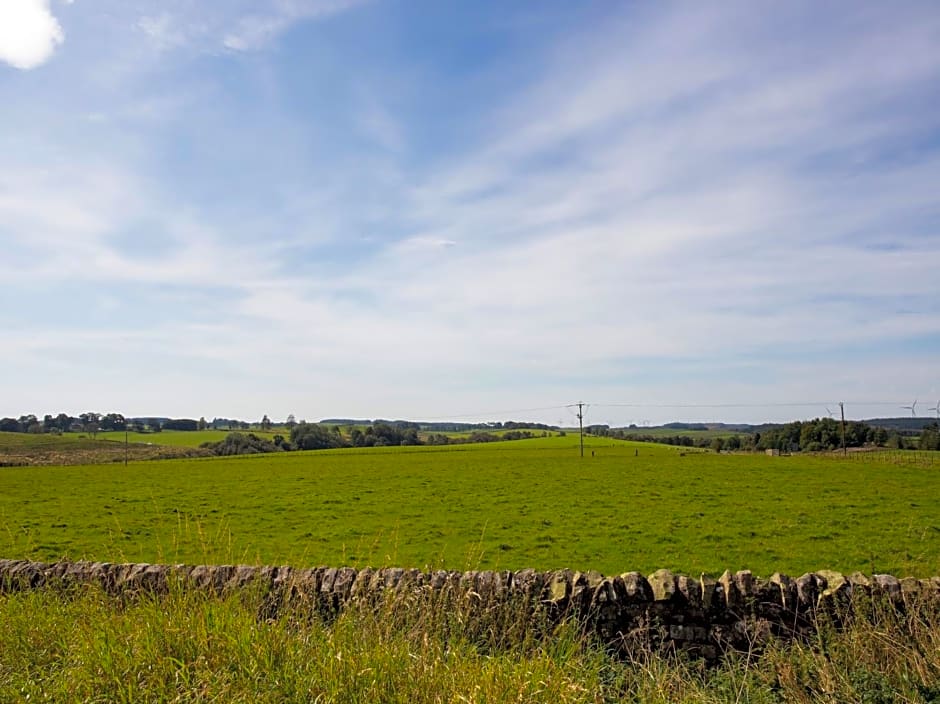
(581, 425)
(842, 411)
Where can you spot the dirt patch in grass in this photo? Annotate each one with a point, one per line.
(24, 450)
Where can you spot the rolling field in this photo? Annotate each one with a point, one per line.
(527, 503)
(184, 438)
(77, 448)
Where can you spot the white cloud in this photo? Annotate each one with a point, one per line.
(666, 200)
(29, 34)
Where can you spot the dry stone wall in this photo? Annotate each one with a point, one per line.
(661, 610)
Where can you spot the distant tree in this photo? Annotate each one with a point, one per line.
(858, 434)
(241, 444)
(265, 422)
(895, 442)
(310, 436)
(383, 433)
(717, 444)
(9, 425)
(517, 435)
(929, 438)
(202, 424)
(880, 437)
(188, 424)
(90, 423)
(291, 421)
(356, 437)
(113, 421)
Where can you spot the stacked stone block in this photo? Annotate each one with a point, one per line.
(658, 611)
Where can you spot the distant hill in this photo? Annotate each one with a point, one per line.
(729, 427)
(442, 427)
(701, 427)
(901, 423)
(907, 423)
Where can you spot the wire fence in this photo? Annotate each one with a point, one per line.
(905, 458)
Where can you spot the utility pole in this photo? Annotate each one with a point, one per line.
(842, 410)
(581, 425)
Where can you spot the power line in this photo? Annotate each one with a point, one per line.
(666, 406)
(493, 413)
(800, 404)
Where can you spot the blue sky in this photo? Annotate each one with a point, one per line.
(442, 209)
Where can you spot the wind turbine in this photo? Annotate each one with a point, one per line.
(937, 409)
(829, 412)
(911, 408)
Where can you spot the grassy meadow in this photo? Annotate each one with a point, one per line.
(526, 503)
(506, 505)
(184, 438)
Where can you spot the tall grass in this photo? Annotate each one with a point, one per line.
(189, 646)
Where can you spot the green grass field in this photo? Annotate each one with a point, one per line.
(183, 438)
(499, 505)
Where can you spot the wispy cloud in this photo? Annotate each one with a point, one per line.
(236, 26)
(255, 31)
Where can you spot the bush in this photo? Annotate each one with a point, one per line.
(241, 444)
(310, 436)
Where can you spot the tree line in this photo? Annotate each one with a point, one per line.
(817, 435)
(89, 422)
(442, 427)
(316, 436)
(94, 423)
